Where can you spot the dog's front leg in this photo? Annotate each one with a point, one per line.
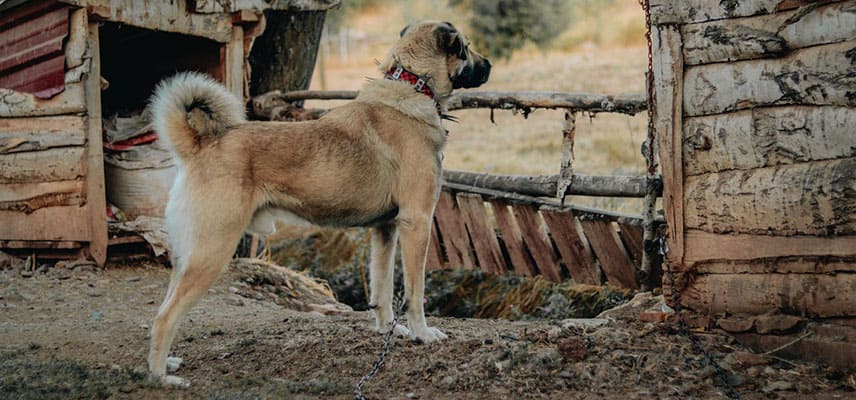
(381, 270)
(415, 233)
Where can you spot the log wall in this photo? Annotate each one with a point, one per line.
(756, 112)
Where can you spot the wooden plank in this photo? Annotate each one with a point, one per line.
(834, 350)
(28, 197)
(546, 185)
(800, 265)
(614, 260)
(705, 246)
(51, 223)
(65, 163)
(39, 244)
(451, 224)
(632, 235)
(768, 136)
(820, 75)
(814, 198)
(685, 11)
(173, 16)
(215, 6)
(754, 294)
(572, 245)
(18, 104)
(668, 89)
(234, 64)
(482, 234)
(95, 190)
(28, 134)
(770, 35)
(435, 253)
(538, 242)
(513, 239)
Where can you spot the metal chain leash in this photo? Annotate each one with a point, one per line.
(381, 359)
(683, 326)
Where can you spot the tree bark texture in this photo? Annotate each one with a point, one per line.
(820, 75)
(815, 198)
(771, 35)
(283, 57)
(766, 137)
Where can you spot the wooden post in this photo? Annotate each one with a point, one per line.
(566, 169)
(96, 197)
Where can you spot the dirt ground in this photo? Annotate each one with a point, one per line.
(83, 333)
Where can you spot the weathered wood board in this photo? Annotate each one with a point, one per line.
(17, 104)
(768, 36)
(668, 114)
(632, 236)
(215, 6)
(455, 238)
(572, 245)
(820, 75)
(481, 233)
(28, 134)
(51, 223)
(59, 164)
(28, 197)
(807, 294)
(834, 345)
(434, 260)
(686, 11)
(614, 260)
(768, 136)
(814, 198)
(171, 16)
(513, 239)
(538, 242)
(798, 265)
(705, 246)
(95, 190)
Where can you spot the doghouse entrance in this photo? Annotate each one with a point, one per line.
(138, 170)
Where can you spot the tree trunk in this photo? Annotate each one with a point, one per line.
(283, 57)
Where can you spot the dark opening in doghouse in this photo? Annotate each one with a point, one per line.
(138, 169)
(134, 60)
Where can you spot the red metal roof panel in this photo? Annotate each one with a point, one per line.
(31, 48)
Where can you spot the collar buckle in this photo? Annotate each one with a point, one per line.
(397, 73)
(419, 85)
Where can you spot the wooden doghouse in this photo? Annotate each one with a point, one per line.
(755, 111)
(65, 64)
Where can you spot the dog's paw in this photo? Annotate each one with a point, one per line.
(174, 382)
(399, 330)
(172, 364)
(428, 335)
(168, 382)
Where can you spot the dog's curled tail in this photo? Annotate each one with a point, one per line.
(190, 106)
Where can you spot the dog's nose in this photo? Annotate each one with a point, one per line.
(486, 73)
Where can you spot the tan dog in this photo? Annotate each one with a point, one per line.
(375, 162)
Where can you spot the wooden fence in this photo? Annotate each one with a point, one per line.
(520, 224)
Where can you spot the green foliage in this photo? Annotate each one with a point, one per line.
(498, 27)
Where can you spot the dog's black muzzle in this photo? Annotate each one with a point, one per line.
(473, 75)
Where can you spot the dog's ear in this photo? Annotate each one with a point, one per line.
(449, 39)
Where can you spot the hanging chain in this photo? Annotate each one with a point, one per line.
(683, 326)
(381, 359)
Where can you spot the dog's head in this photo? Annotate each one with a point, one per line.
(439, 51)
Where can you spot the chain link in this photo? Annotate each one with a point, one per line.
(381, 359)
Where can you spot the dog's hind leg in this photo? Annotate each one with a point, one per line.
(381, 270)
(211, 250)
